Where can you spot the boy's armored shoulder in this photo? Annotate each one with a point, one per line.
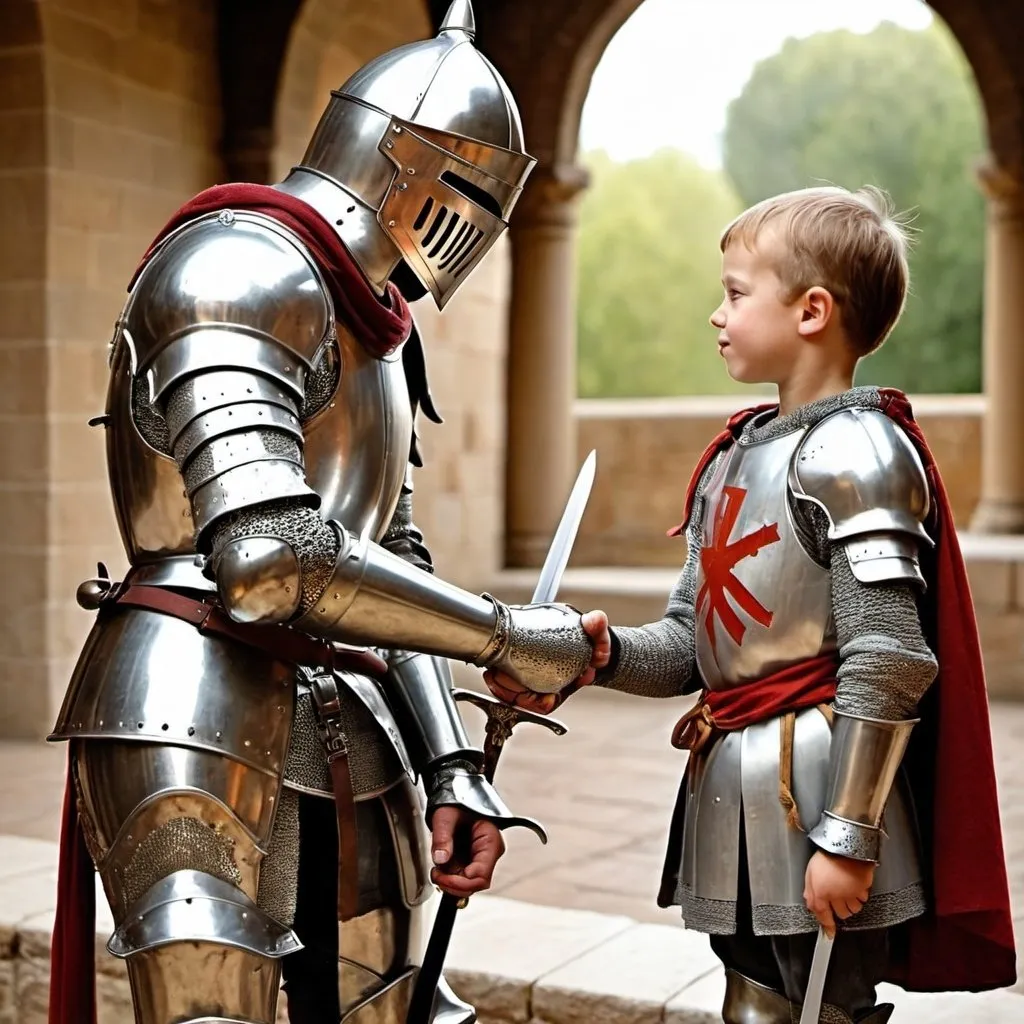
(865, 473)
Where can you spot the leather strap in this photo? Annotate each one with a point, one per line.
(328, 705)
(281, 642)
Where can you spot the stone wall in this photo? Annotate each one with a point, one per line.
(110, 118)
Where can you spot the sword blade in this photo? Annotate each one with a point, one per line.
(565, 535)
(422, 1001)
(816, 981)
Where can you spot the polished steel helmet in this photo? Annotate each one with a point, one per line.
(419, 158)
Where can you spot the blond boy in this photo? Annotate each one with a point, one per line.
(814, 612)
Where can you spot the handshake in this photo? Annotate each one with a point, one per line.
(541, 654)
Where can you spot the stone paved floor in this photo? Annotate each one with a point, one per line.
(603, 791)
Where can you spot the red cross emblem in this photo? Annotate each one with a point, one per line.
(718, 561)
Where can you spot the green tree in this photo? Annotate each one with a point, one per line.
(899, 109)
(649, 270)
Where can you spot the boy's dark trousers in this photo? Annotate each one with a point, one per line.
(782, 964)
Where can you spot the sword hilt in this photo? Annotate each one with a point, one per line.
(502, 718)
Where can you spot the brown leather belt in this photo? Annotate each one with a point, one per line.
(281, 642)
(286, 644)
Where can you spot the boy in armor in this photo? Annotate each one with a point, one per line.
(840, 743)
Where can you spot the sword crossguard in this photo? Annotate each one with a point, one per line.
(506, 716)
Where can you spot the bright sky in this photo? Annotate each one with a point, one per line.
(668, 75)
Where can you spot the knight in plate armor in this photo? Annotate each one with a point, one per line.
(824, 616)
(261, 721)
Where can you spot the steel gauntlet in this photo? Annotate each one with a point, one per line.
(542, 646)
(865, 756)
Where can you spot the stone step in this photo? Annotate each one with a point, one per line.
(515, 961)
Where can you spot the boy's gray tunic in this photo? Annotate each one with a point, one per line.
(763, 587)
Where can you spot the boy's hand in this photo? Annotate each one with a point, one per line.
(595, 625)
(836, 887)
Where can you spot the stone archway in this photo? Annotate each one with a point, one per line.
(571, 37)
(328, 42)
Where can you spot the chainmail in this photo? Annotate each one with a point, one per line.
(322, 381)
(657, 660)
(179, 406)
(718, 917)
(373, 764)
(279, 877)
(152, 426)
(315, 544)
(179, 844)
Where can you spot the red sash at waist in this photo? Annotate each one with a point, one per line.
(794, 688)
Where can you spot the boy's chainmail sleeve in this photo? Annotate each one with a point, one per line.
(885, 665)
(657, 660)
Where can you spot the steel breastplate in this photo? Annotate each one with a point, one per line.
(762, 602)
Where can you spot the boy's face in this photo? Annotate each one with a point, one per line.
(758, 332)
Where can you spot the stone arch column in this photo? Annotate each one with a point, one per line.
(541, 446)
(1001, 505)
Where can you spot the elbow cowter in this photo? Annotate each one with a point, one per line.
(259, 579)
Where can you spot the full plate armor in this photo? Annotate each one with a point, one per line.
(258, 456)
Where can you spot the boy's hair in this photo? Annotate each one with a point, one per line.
(850, 243)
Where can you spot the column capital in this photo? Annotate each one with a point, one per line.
(1003, 188)
(549, 198)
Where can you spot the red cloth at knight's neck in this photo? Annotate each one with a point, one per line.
(381, 326)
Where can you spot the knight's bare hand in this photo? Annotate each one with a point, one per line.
(507, 689)
(465, 851)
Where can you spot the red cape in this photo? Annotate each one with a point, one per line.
(965, 940)
(380, 325)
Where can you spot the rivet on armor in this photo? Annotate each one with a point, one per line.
(351, 209)
(410, 170)
(191, 730)
(217, 734)
(391, 223)
(165, 727)
(389, 145)
(248, 743)
(140, 725)
(403, 186)
(226, 217)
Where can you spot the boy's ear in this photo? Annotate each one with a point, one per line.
(816, 306)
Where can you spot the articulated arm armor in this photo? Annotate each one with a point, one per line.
(228, 360)
(876, 507)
